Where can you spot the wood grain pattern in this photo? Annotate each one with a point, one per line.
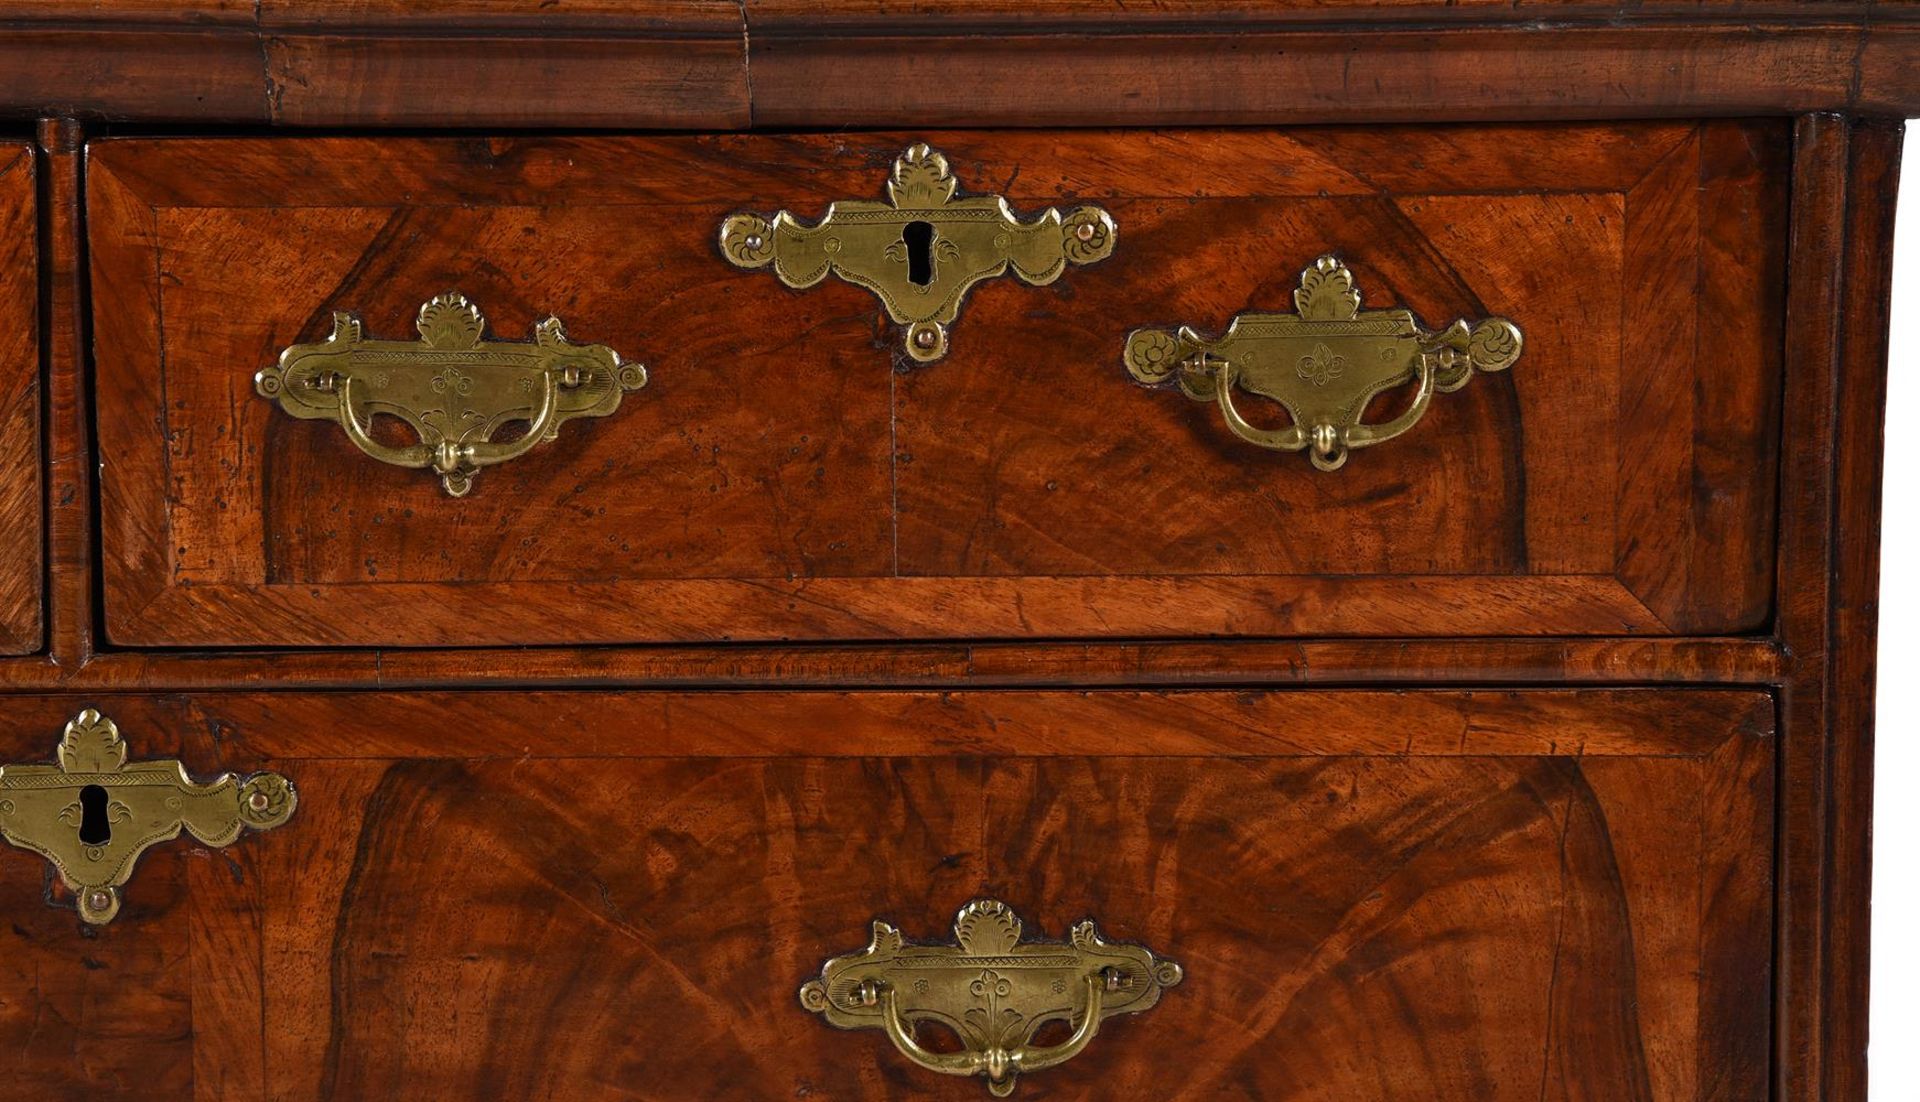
(854, 16)
(713, 63)
(1828, 571)
(1316, 75)
(1421, 895)
(780, 480)
(70, 457)
(20, 494)
(1743, 661)
(1861, 421)
(85, 1013)
(350, 79)
(1806, 577)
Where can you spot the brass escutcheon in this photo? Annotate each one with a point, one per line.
(991, 988)
(454, 388)
(92, 814)
(922, 249)
(1323, 364)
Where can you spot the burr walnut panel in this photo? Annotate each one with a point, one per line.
(1427, 896)
(785, 476)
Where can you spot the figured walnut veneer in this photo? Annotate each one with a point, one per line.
(784, 479)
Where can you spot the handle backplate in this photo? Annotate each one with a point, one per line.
(992, 988)
(453, 388)
(1323, 364)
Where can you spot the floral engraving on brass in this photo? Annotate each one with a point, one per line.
(1323, 364)
(922, 250)
(454, 388)
(93, 814)
(991, 988)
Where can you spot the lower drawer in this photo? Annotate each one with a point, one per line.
(1372, 895)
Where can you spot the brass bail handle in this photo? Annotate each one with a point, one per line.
(993, 988)
(1323, 364)
(1001, 1066)
(455, 389)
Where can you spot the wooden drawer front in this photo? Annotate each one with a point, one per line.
(781, 476)
(1425, 895)
(20, 494)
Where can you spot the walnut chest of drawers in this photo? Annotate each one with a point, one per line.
(866, 550)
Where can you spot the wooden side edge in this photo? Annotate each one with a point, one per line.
(22, 505)
(1854, 625)
(129, 382)
(69, 474)
(1839, 279)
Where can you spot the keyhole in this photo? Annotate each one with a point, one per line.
(918, 237)
(94, 830)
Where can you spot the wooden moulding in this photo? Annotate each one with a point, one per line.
(710, 64)
(20, 488)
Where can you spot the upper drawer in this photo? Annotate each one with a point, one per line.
(786, 474)
(20, 497)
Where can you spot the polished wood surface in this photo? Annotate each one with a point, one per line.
(20, 497)
(1846, 175)
(1747, 920)
(581, 896)
(70, 456)
(704, 64)
(781, 478)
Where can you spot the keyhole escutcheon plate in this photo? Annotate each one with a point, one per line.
(922, 249)
(92, 813)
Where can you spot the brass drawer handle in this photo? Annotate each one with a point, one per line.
(93, 814)
(991, 988)
(922, 249)
(1323, 364)
(454, 388)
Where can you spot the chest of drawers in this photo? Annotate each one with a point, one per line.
(869, 551)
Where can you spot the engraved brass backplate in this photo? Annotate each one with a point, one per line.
(991, 988)
(93, 813)
(1323, 364)
(922, 249)
(454, 388)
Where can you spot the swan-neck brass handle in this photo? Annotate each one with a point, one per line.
(993, 989)
(93, 813)
(453, 388)
(1323, 364)
(922, 250)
